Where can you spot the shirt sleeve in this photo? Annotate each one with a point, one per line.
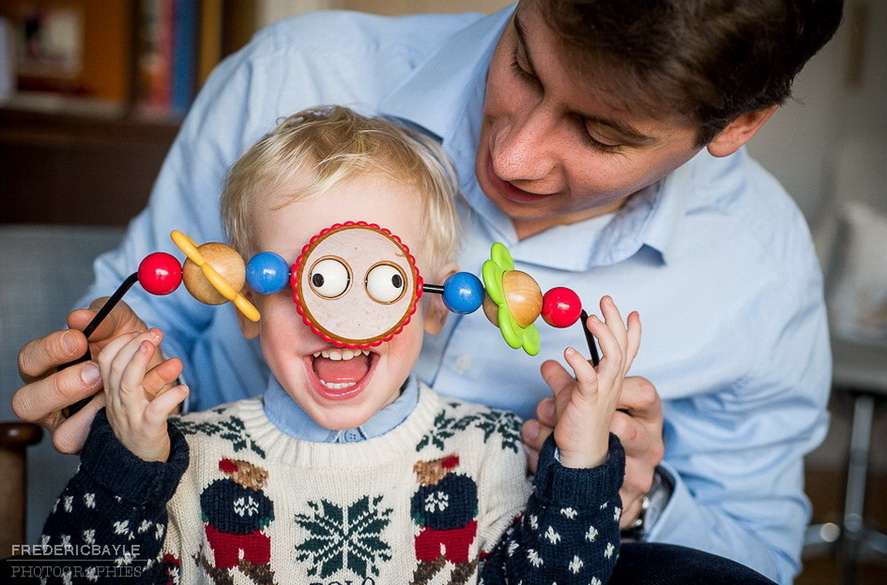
(736, 455)
(110, 521)
(570, 530)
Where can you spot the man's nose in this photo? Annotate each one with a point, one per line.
(527, 149)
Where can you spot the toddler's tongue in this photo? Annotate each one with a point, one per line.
(342, 371)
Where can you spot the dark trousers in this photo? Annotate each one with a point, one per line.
(649, 563)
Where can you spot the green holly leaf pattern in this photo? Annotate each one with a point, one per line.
(499, 423)
(344, 537)
(231, 429)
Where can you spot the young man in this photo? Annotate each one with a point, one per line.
(602, 142)
(347, 468)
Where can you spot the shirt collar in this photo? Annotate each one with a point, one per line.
(290, 419)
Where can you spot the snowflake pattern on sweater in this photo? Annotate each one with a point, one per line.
(442, 498)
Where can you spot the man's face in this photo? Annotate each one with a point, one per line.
(551, 152)
(338, 387)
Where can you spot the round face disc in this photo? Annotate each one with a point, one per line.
(356, 284)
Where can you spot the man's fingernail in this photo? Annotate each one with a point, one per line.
(531, 430)
(547, 408)
(90, 374)
(69, 344)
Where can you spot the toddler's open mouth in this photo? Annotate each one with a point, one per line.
(340, 371)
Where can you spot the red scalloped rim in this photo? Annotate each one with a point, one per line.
(295, 275)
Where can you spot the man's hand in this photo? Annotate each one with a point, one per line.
(637, 423)
(47, 392)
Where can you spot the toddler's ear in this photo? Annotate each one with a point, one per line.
(248, 327)
(436, 312)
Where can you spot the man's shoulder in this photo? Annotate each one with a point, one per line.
(745, 203)
(341, 30)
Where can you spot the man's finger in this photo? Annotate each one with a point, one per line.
(42, 356)
(70, 434)
(533, 434)
(120, 319)
(162, 376)
(639, 398)
(39, 400)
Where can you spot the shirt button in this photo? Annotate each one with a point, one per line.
(352, 435)
(463, 363)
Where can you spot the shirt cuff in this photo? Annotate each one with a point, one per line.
(579, 488)
(679, 508)
(136, 481)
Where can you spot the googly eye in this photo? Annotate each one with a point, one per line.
(329, 278)
(385, 283)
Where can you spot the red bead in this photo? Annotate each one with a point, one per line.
(160, 273)
(561, 307)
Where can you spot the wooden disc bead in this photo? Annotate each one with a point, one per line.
(226, 261)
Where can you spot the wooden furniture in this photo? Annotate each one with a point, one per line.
(78, 169)
(15, 438)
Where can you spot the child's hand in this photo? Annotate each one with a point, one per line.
(585, 404)
(137, 416)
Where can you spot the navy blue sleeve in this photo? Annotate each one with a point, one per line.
(570, 530)
(109, 523)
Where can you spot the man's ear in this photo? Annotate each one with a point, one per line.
(739, 132)
(435, 311)
(248, 327)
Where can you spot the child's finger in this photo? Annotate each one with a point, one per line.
(164, 404)
(613, 319)
(132, 393)
(120, 366)
(583, 370)
(612, 357)
(118, 352)
(634, 339)
(110, 373)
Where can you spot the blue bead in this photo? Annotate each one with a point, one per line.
(463, 293)
(267, 273)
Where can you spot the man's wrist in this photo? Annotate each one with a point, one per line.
(653, 503)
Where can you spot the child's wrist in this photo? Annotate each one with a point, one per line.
(588, 459)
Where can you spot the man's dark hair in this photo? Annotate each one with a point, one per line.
(709, 60)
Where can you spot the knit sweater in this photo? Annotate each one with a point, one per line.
(441, 498)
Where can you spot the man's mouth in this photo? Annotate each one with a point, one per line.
(340, 371)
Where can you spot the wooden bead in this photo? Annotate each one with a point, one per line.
(491, 310)
(523, 296)
(226, 261)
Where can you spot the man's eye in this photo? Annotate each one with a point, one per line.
(522, 73)
(594, 138)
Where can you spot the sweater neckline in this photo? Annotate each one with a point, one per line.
(368, 453)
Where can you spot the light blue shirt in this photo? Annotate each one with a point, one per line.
(290, 419)
(716, 258)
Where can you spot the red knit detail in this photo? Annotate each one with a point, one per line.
(256, 547)
(450, 462)
(227, 466)
(452, 544)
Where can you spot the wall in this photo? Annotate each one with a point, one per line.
(831, 141)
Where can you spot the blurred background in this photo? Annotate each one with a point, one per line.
(91, 96)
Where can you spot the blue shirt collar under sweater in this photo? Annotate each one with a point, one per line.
(289, 417)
